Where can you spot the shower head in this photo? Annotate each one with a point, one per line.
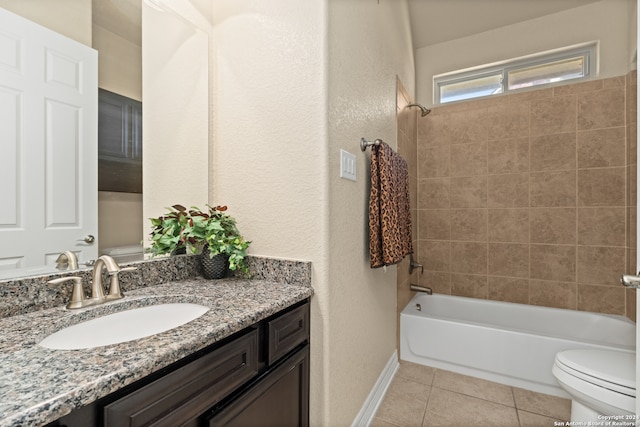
(423, 110)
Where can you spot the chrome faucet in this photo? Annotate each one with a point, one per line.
(67, 259)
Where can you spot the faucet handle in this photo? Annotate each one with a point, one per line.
(77, 294)
(114, 287)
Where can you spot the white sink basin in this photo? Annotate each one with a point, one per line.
(124, 326)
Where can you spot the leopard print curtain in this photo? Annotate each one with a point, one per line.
(389, 208)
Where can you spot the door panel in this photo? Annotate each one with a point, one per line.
(48, 166)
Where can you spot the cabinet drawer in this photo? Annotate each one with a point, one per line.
(179, 397)
(281, 399)
(288, 331)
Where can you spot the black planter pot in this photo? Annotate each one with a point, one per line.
(214, 268)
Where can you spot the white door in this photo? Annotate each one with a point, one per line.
(48, 140)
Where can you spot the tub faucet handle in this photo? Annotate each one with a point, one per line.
(413, 265)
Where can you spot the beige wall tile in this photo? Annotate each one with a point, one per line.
(510, 185)
(469, 224)
(601, 187)
(553, 294)
(455, 127)
(553, 225)
(469, 159)
(508, 259)
(601, 226)
(601, 148)
(469, 192)
(601, 109)
(468, 126)
(508, 190)
(530, 95)
(601, 299)
(571, 89)
(508, 225)
(438, 281)
(612, 82)
(553, 262)
(630, 308)
(631, 228)
(434, 255)
(432, 130)
(601, 265)
(508, 120)
(433, 193)
(469, 257)
(433, 161)
(466, 285)
(508, 289)
(553, 189)
(553, 152)
(632, 143)
(435, 224)
(632, 184)
(508, 155)
(553, 115)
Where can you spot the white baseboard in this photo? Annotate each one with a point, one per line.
(370, 406)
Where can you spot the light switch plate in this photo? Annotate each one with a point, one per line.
(347, 165)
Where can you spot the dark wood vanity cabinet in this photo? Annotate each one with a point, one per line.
(258, 377)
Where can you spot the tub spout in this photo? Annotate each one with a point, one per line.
(419, 288)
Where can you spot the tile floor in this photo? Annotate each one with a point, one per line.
(421, 396)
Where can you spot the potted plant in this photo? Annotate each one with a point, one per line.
(212, 233)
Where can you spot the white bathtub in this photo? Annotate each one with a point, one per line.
(513, 344)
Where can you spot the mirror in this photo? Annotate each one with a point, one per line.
(177, 90)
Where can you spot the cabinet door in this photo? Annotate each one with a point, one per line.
(281, 399)
(287, 332)
(180, 397)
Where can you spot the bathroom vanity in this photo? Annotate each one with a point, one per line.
(258, 376)
(245, 359)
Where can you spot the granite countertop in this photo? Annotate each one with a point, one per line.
(39, 385)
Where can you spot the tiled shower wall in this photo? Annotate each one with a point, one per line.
(407, 137)
(528, 198)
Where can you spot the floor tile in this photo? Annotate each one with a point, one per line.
(527, 419)
(415, 372)
(405, 403)
(550, 406)
(377, 422)
(446, 408)
(475, 387)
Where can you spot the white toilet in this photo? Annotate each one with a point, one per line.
(600, 382)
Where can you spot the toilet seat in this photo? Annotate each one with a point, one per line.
(600, 379)
(614, 370)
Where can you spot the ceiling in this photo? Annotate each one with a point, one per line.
(432, 21)
(437, 21)
(122, 17)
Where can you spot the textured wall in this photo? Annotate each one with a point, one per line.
(369, 45)
(294, 82)
(524, 198)
(71, 18)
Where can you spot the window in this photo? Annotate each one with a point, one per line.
(573, 63)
